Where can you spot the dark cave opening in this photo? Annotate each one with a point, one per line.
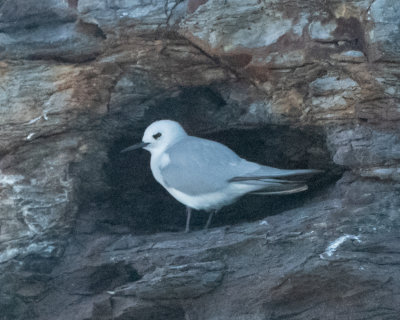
(140, 202)
(135, 202)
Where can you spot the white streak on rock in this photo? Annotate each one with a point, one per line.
(35, 120)
(353, 53)
(8, 254)
(30, 136)
(9, 179)
(44, 116)
(330, 250)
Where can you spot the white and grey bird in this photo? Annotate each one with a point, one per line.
(207, 175)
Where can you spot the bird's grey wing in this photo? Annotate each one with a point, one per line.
(271, 180)
(265, 172)
(199, 166)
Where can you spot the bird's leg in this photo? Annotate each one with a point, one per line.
(210, 218)
(188, 214)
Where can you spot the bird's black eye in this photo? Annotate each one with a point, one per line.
(157, 135)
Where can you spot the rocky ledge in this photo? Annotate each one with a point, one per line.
(86, 233)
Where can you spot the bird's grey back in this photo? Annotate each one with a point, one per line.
(199, 166)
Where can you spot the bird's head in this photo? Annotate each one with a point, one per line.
(159, 136)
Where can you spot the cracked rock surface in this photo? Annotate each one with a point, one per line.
(86, 233)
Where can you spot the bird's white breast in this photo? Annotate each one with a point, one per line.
(213, 200)
(206, 201)
(157, 163)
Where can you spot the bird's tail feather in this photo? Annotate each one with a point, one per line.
(297, 189)
(279, 174)
(271, 181)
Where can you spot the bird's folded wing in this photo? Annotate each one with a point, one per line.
(271, 191)
(273, 181)
(278, 175)
(198, 166)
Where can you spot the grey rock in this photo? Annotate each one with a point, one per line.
(322, 31)
(61, 41)
(86, 233)
(25, 14)
(177, 282)
(384, 33)
(364, 147)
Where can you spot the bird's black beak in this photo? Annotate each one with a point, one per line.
(136, 146)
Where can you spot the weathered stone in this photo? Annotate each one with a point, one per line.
(290, 84)
(322, 31)
(384, 34)
(177, 282)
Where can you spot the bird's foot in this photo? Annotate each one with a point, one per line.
(188, 215)
(209, 220)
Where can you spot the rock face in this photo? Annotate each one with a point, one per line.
(86, 233)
